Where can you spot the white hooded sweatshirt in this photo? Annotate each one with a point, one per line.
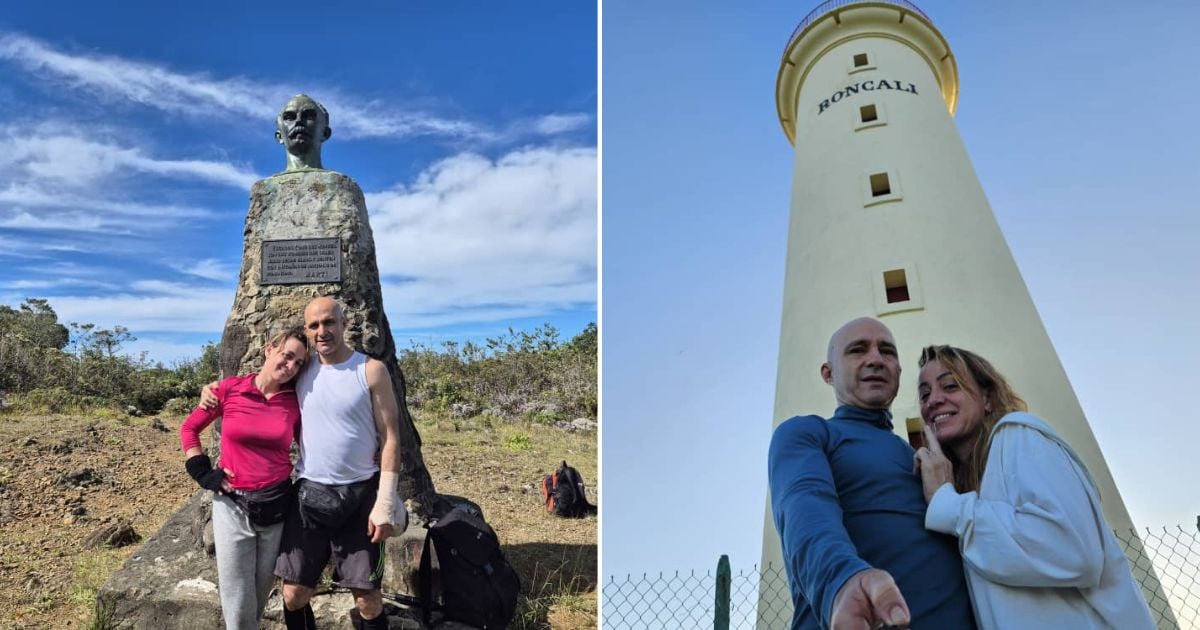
(1037, 550)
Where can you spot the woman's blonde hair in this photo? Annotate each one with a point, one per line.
(977, 376)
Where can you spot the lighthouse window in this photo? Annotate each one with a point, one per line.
(915, 436)
(895, 283)
(897, 288)
(880, 185)
(869, 117)
(860, 60)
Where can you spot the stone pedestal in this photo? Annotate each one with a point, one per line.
(309, 205)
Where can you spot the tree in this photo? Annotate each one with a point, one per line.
(36, 322)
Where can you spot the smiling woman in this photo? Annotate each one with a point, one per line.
(1036, 547)
(260, 421)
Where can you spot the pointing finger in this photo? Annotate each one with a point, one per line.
(931, 441)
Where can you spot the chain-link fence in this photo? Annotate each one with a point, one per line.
(1166, 562)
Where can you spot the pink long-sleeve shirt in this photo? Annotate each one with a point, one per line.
(256, 433)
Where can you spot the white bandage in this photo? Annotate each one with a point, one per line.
(386, 503)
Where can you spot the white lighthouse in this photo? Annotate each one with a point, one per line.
(889, 220)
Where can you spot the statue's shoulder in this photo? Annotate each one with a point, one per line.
(307, 176)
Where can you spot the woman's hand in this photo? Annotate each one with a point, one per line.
(226, 487)
(931, 464)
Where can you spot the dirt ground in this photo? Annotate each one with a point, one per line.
(63, 477)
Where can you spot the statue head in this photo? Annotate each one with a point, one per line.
(301, 128)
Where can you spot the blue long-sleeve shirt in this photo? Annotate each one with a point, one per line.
(844, 498)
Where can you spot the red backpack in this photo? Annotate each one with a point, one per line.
(564, 493)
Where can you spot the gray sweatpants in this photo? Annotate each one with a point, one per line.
(246, 556)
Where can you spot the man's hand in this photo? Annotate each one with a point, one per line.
(869, 599)
(931, 463)
(378, 533)
(208, 399)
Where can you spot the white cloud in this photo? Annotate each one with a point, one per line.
(553, 124)
(153, 307)
(209, 268)
(153, 85)
(79, 162)
(478, 240)
(163, 350)
(156, 86)
(55, 180)
(73, 221)
(26, 285)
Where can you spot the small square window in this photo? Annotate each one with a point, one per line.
(869, 116)
(880, 185)
(860, 60)
(895, 283)
(897, 289)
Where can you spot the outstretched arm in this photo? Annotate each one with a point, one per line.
(1045, 532)
(819, 556)
(381, 523)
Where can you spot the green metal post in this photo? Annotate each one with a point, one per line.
(721, 617)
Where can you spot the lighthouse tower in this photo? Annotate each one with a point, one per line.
(889, 220)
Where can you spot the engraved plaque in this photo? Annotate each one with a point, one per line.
(302, 261)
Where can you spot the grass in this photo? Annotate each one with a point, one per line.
(557, 591)
(500, 465)
(518, 442)
(497, 464)
(89, 574)
(104, 618)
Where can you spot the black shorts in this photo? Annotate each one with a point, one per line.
(307, 547)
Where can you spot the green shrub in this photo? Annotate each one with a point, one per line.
(55, 400)
(518, 442)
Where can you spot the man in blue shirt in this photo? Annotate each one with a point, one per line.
(851, 512)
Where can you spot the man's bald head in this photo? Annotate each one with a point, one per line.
(325, 325)
(862, 364)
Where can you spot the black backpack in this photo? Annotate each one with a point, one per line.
(564, 493)
(478, 586)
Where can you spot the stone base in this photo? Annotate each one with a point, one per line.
(170, 583)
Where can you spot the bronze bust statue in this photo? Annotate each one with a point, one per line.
(301, 128)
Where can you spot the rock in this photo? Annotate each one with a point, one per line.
(463, 410)
(80, 478)
(133, 411)
(583, 424)
(33, 581)
(173, 592)
(29, 442)
(209, 540)
(158, 425)
(116, 534)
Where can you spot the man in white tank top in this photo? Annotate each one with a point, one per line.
(348, 414)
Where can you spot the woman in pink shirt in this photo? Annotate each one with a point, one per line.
(260, 419)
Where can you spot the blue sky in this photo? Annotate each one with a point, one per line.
(1080, 122)
(134, 132)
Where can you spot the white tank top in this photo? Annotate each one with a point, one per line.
(338, 438)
